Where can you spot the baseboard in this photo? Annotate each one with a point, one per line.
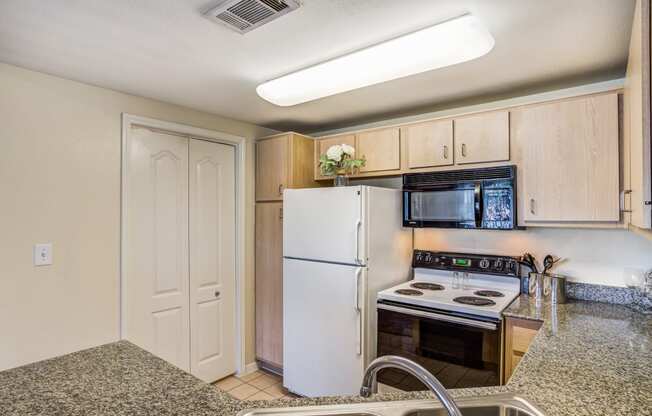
(271, 368)
(248, 369)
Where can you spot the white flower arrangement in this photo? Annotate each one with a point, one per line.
(339, 160)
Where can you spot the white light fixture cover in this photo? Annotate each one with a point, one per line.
(452, 42)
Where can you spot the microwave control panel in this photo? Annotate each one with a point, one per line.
(472, 263)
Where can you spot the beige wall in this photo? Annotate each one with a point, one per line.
(592, 256)
(60, 183)
(597, 256)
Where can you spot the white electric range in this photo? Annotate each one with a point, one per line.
(475, 294)
(448, 317)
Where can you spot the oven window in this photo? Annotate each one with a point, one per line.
(455, 205)
(458, 355)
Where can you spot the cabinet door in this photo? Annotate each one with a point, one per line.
(570, 159)
(482, 138)
(322, 145)
(381, 149)
(429, 144)
(637, 103)
(269, 282)
(272, 168)
(519, 334)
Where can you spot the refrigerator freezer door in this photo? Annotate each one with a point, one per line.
(324, 224)
(322, 328)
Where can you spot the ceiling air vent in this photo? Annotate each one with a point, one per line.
(245, 15)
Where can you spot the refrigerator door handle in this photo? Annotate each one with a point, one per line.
(356, 299)
(358, 310)
(358, 224)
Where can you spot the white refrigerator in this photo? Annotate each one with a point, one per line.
(340, 247)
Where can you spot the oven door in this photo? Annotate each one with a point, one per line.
(456, 205)
(461, 351)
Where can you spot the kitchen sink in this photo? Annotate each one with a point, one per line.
(494, 405)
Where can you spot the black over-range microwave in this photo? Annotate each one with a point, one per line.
(474, 198)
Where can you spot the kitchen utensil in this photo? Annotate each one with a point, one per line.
(549, 262)
(528, 260)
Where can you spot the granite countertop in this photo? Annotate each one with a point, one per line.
(588, 359)
(114, 379)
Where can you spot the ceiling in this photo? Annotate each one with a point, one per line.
(165, 49)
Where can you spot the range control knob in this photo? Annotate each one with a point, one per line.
(418, 256)
(498, 264)
(428, 258)
(484, 263)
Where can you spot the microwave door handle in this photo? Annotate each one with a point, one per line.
(478, 204)
(439, 317)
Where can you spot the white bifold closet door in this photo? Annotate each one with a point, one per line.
(179, 260)
(212, 260)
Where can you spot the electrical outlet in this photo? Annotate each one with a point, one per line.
(43, 254)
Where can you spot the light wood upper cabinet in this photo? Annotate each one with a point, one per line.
(322, 145)
(570, 160)
(272, 168)
(429, 144)
(482, 138)
(269, 283)
(381, 149)
(327, 142)
(637, 118)
(282, 162)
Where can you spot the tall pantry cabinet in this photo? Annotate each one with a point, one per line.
(282, 161)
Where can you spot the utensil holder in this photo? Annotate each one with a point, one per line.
(550, 287)
(557, 288)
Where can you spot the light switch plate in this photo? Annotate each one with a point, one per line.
(43, 254)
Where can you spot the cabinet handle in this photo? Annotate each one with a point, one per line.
(280, 189)
(445, 152)
(280, 214)
(463, 149)
(532, 206)
(217, 294)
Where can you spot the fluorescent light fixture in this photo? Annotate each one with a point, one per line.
(448, 43)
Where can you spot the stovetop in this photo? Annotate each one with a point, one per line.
(446, 295)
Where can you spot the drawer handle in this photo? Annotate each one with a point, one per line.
(463, 149)
(445, 152)
(217, 294)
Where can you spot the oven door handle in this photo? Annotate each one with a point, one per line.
(439, 317)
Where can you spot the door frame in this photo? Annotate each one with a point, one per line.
(129, 120)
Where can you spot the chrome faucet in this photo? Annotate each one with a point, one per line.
(370, 386)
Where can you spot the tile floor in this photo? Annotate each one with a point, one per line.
(259, 385)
